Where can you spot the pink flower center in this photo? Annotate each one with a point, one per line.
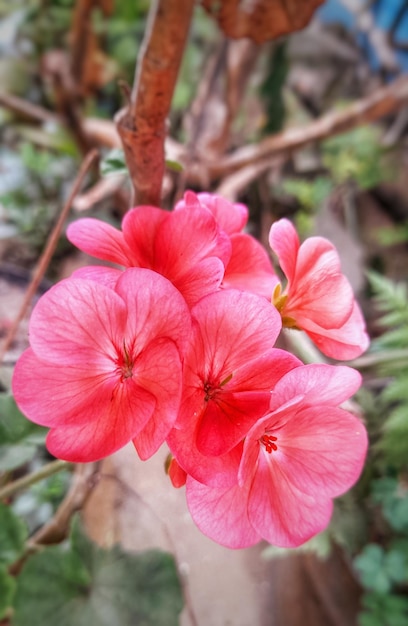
(124, 364)
(269, 442)
(211, 389)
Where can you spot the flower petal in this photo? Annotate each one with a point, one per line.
(107, 276)
(78, 322)
(233, 327)
(317, 383)
(118, 424)
(231, 217)
(188, 237)
(91, 414)
(284, 241)
(281, 513)
(221, 514)
(100, 240)
(321, 450)
(140, 226)
(158, 369)
(155, 308)
(347, 342)
(249, 268)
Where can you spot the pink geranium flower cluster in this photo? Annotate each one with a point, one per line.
(175, 344)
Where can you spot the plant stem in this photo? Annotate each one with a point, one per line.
(26, 481)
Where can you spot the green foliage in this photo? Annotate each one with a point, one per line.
(19, 438)
(13, 535)
(32, 194)
(85, 585)
(383, 567)
(7, 589)
(358, 156)
(384, 610)
(391, 299)
(393, 499)
(310, 193)
(114, 163)
(379, 569)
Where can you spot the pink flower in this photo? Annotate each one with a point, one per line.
(104, 367)
(229, 372)
(230, 216)
(318, 298)
(185, 246)
(302, 453)
(249, 268)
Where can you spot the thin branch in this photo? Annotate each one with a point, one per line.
(27, 109)
(48, 251)
(83, 482)
(142, 126)
(383, 101)
(30, 479)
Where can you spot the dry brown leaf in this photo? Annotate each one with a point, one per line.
(261, 20)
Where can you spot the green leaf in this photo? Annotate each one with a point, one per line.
(371, 566)
(13, 425)
(175, 166)
(14, 456)
(13, 535)
(18, 436)
(7, 588)
(85, 585)
(114, 163)
(383, 610)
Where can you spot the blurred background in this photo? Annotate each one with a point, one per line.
(311, 125)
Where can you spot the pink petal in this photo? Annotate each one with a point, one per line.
(319, 291)
(140, 227)
(321, 450)
(281, 513)
(250, 268)
(107, 276)
(155, 308)
(117, 425)
(176, 474)
(233, 328)
(100, 240)
(187, 237)
(221, 514)
(158, 369)
(50, 395)
(317, 383)
(227, 417)
(218, 471)
(92, 414)
(345, 343)
(200, 280)
(78, 322)
(231, 217)
(284, 241)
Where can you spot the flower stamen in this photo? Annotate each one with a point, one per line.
(269, 442)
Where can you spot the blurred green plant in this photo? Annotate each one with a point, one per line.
(383, 565)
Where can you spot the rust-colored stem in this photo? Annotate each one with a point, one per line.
(142, 125)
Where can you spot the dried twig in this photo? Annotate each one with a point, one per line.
(383, 101)
(142, 125)
(30, 479)
(48, 251)
(83, 482)
(27, 109)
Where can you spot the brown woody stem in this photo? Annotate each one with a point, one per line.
(142, 125)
